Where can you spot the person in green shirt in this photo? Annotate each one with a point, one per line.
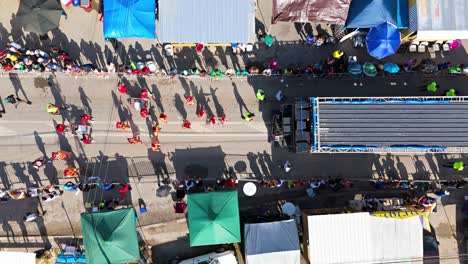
(451, 92)
(248, 116)
(432, 87)
(458, 166)
(260, 95)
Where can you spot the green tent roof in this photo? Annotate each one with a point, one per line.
(110, 237)
(213, 218)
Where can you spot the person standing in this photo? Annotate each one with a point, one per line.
(260, 94)
(248, 116)
(432, 87)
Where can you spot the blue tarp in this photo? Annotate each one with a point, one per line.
(129, 19)
(370, 13)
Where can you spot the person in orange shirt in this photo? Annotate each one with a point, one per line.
(156, 130)
(122, 125)
(134, 140)
(71, 172)
(61, 155)
(155, 144)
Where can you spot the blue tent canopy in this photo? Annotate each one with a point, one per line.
(129, 19)
(370, 13)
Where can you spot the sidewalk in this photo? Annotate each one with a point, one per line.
(86, 44)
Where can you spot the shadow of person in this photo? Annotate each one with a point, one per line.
(221, 54)
(432, 164)
(35, 175)
(24, 230)
(8, 231)
(401, 169)
(252, 157)
(19, 172)
(158, 160)
(121, 110)
(263, 165)
(85, 100)
(179, 105)
(421, 170)
(40, 144)
(201, 100)
(3, 35)
(218, 107)
(4, 175)
(240, 101)
(157, 97)
(15, 81)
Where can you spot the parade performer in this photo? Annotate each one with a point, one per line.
(86, 139)
(121, 88)
(123, 125)
(71, 172)
(201, 113)
(53, 109)
(134, 140)
(186, 124)
(61, 155)
(162, 118)
(60, 128)
(189, 99)
(223, 119)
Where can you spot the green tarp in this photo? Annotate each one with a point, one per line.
(110, 237)
(213, 218)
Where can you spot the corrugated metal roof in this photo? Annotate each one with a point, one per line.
(206, 21)
(439, 20)
(272, 242)
(361, 238)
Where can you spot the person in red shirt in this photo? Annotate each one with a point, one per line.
(231, 182)
(212, 121)
(121, 88)
(8, 67)
(162, 118)
(223, 119)
(60, 128)
(201, 113)
(86, 139)
(85, 118)
(144, 112)
(186, 124)
(124, 189)
(189, 99)
(144, 93)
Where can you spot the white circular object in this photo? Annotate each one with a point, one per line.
(288, 208)
(249, 189)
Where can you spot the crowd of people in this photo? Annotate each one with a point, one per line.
(19, 58)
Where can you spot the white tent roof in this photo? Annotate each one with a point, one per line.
(442, 20)
(270, 243)
(362, 238)
(17, 257)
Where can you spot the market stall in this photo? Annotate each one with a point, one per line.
(209, 21)
(110, 237)
(271, 243)
(213, 218)
(370, 13)
(124, 19)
